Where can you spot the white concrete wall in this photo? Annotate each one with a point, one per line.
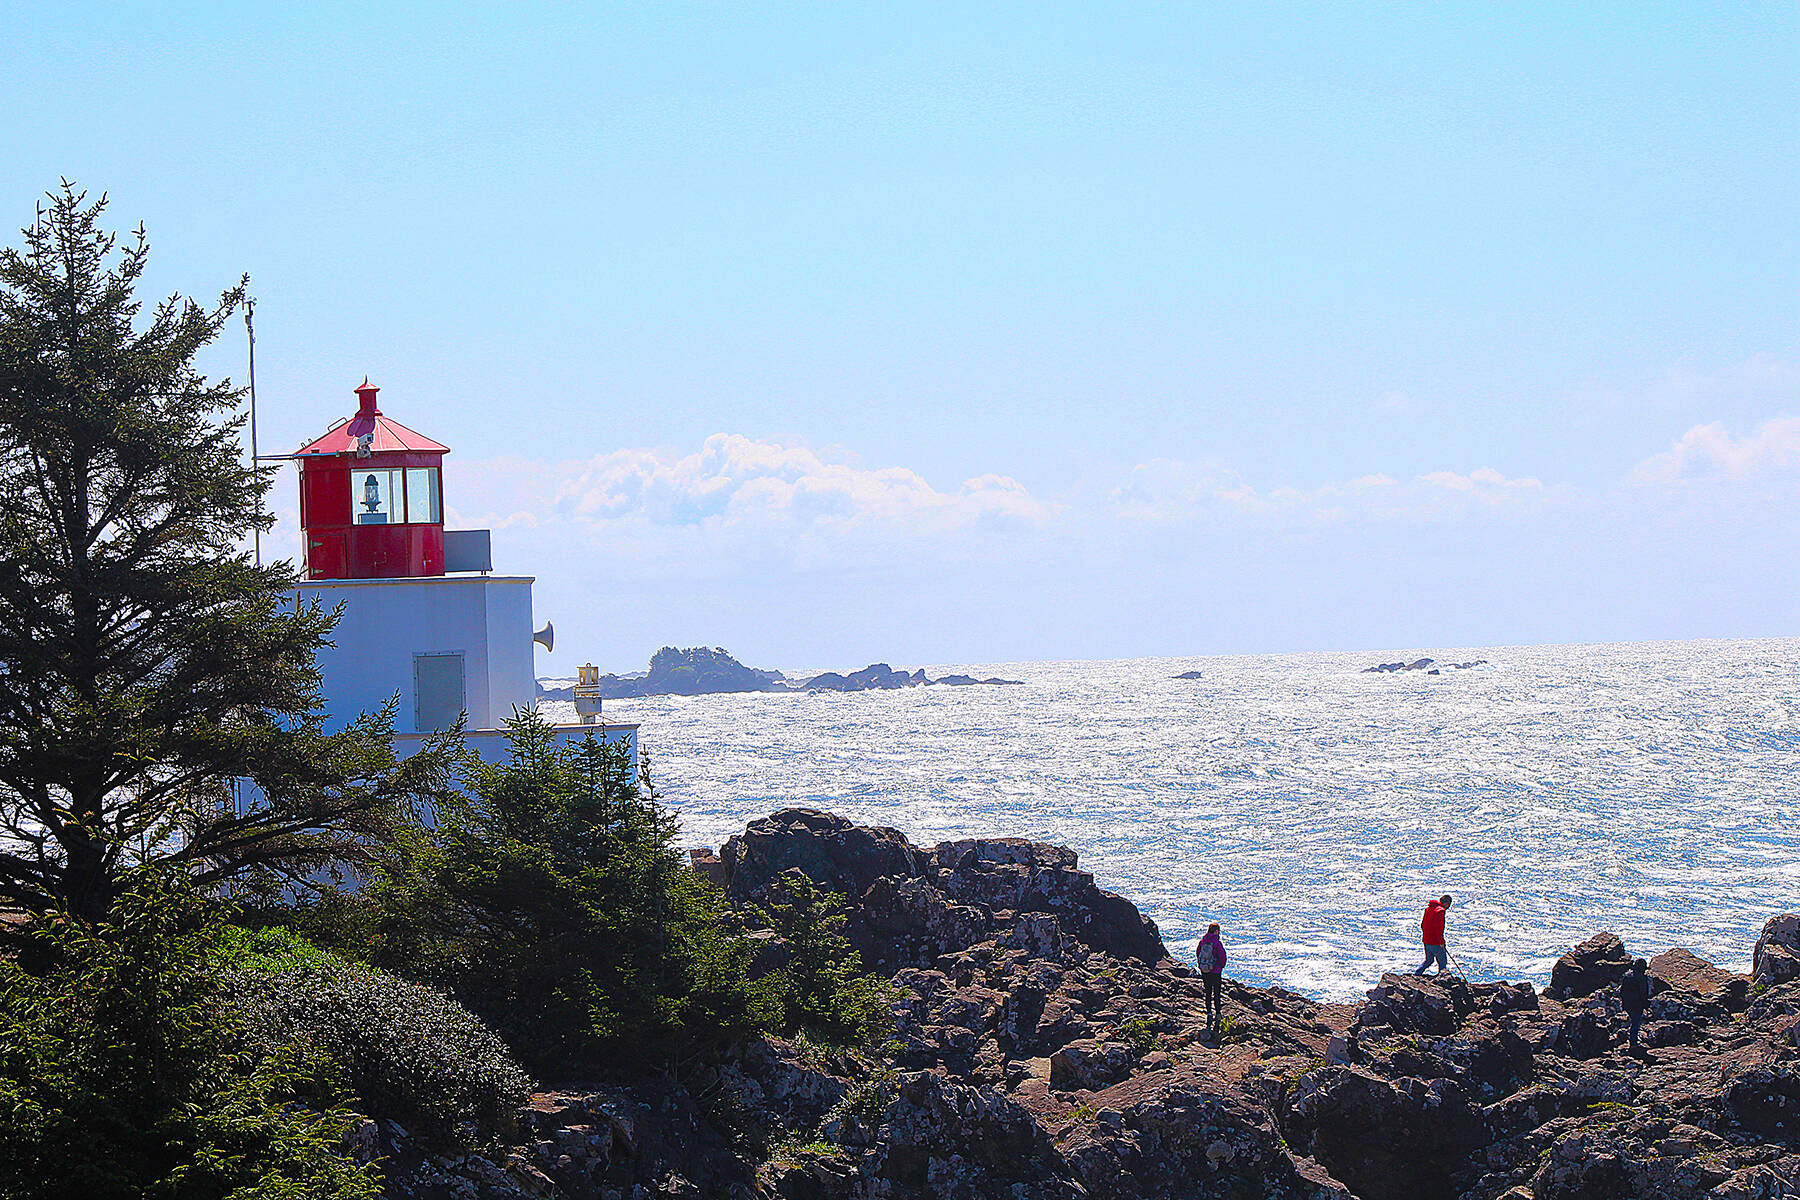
(512, 674)
(486, 619)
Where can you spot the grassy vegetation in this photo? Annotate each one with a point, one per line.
(1142, 1034)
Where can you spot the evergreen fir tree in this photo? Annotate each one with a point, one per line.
(551, 899)
(146, 661)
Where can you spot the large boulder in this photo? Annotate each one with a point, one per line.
(1414, 1004)
(1090, 1065)
(940, 1137)
(1189, 1137)
(1777, 958)
(1386, 1139)
(1503, 997)
(1595, 963)
(1016, 876)
(1584, 1030)
(1684, 971)
(832, 852)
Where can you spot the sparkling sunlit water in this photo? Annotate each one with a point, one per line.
(1312, 809)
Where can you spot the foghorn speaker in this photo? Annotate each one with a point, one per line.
(546, 635)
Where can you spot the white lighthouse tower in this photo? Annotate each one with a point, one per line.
(424, 617)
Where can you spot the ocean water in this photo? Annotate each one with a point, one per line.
(1312, 809)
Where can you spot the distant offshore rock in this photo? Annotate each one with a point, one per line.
(1430, 666)
(966, 680)
(707, 671)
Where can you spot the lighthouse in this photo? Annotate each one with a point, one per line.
(424, 618)
(371, 498)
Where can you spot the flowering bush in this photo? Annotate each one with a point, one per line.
(408, 1052)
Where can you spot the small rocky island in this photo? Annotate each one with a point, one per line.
(705, 671)
(1047, 1047)
(1430, 666)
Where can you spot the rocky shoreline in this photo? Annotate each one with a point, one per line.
(1047, 1047)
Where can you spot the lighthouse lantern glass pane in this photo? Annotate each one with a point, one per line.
(422, 505)
(373, 497)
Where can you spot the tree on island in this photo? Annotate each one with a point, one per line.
(146, 660)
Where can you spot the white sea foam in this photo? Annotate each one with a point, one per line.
(1311, 808)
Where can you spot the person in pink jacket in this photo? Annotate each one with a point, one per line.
(1210, 955)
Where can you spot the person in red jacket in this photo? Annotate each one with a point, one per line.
(1433, 928)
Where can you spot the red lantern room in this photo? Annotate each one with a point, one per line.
(371, 499)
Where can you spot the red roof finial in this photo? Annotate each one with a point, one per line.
(366, 394)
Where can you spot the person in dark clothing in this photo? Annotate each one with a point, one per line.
(1432, 927)
(1634, 998)
(1210, 955)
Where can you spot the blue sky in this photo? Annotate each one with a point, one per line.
(973, 333)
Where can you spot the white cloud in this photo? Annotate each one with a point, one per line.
(1167, 490)
(736, 500)
(740, 499)
(1711, 452)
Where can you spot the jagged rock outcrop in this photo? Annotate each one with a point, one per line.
(873, 676)
(910, 905)
(1595, 963)
(1777, 957)
(834, 853)
(1033, 1060)
(695, 671)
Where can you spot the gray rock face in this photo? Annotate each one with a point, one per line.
(911, 905)
(1413, 1004)
(1777, 958)
(1595, 963)
(833, 853)
(1386, 1139)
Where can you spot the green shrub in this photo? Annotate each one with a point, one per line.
(823, 988)
(550, 898)
(267, 950)
(409, 1053)
(1141, 1034)
(124, 1073)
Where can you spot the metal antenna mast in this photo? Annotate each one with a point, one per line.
(255, 460)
